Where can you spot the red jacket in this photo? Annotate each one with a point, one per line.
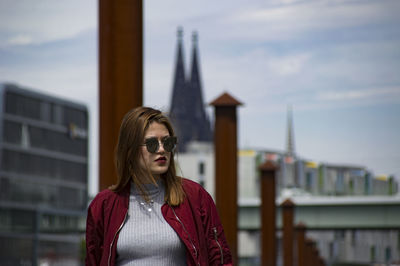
(196, 222)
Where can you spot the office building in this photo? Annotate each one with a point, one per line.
(43, 178)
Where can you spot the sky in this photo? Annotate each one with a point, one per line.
(335, 62)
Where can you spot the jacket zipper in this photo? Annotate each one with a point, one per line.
(220, 248)
(116, 233)
(184, 228)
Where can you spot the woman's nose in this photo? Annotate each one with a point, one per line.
(160, 147)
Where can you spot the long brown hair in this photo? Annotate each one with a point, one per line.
(127, 152)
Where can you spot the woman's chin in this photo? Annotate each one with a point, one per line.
(159, 171)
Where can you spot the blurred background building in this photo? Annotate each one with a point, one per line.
(310, 184)
(43, 178)
(313, 185)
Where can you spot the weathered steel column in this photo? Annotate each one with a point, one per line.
(315, 254)
(309, 254)
(121, 75)
(300, 236)
(288, 232)
(268, 214)
(225, 146)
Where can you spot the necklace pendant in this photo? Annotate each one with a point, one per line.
(150, 208)
(147, 206)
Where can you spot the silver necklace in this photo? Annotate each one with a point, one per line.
(147, 206)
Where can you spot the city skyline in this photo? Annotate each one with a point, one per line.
(335, 62)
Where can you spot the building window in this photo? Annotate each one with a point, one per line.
(45, 112)
(40, 166)
(57, 141)
(388, 254)
(23, 106)
(18, 251)
(339, 182)
(354, 234)
(309, 183)
(398, 240)
(34, 192)
(372, 254)
(331, 250)
(201, 168)
(12, 132)
(339, 234)
(25, 140)
(351, 186)
(75, 116)
(57, 114)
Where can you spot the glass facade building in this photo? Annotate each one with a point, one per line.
(43, 178)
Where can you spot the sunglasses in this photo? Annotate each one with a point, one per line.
(152, 144)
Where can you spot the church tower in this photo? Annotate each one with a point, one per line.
(178, 104)
(187, 109)
(290, 171)
(290, 139)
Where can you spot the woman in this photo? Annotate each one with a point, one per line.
(151, 216)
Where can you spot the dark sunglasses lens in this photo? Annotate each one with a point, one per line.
(152, 145)
(169, 144)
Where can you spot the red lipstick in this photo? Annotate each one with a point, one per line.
(161, 159)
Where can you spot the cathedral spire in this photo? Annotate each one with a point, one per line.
(290, 170)
(194, 74)
(290, 135)
(203, 133)
(187, 109)
(179, 77)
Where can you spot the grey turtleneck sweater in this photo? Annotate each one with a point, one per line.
(146, 238)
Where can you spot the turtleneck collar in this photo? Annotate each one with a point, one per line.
(151, 189)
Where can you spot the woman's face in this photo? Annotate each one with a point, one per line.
(159, 161)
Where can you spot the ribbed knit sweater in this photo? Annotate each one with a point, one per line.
(146, 238)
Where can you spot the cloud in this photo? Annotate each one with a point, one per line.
(359, 94)
(26, 22)
(19, 40)
(291, 20)
(288, 65)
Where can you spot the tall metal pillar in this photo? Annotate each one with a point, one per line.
(225, 145)
(301, 244)
(315, 254)
(309, 253)
(288, 232)
(121, 75)
(268, 214)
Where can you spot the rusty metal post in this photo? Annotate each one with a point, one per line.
(315, 254)
(225, 145)
(321, 261)
(308, 252)
(120, 75)
(301, 245)
(288, 232)
(268, 214)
